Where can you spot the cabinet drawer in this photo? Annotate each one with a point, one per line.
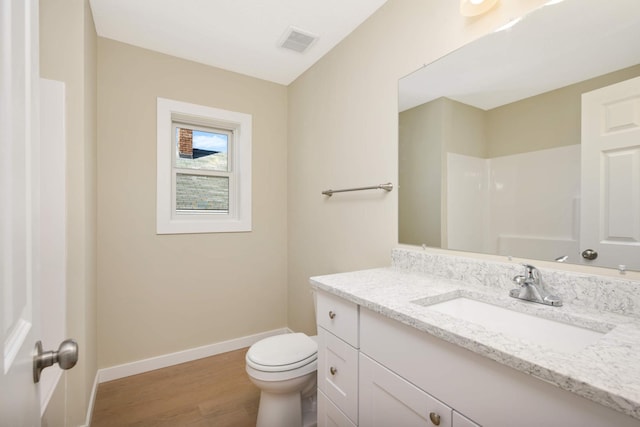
(388, 400)
(460, 420)
(338, 316)
(338, 373)
(329, 415)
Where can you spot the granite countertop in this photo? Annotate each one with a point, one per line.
(606, 372)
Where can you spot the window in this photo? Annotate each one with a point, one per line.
(201, 168)
(204, 169)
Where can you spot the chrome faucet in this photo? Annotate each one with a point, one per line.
(531, 288)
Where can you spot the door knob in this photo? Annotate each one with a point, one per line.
(589, 254)
(66, 357)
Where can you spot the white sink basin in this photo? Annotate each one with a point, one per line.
(555, 335)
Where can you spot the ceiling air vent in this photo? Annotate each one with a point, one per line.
(296, 39)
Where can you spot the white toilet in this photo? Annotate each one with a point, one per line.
(283, 367)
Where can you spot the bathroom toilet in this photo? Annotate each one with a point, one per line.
(283, 367)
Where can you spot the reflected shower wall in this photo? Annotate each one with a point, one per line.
(525, 204)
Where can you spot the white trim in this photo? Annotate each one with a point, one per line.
(53, 216)
(146, 365)
(47, 392)
(240, 219)
(92, 400)
(15, 340)
(153, 363)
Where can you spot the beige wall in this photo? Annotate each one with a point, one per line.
(548, 120)
(420, 150)
(343, 131)
(68, 54)
(470, 139)
(159, 294)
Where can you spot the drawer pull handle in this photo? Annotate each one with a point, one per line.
(333, 370)
(435, 418)
(331, 315)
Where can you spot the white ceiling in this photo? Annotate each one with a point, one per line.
(237, 35)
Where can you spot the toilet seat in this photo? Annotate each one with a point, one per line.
(283, 353)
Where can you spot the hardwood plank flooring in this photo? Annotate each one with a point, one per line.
(214, 391)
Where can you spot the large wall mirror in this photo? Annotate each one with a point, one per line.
(526, 142)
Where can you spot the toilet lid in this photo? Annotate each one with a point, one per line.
(282, 352)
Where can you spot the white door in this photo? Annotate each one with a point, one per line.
(610, 210)
(19, 182)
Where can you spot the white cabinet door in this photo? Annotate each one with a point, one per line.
(329, 415)
(338, 372)
(460, 420)
(388, 400)
(610, 208)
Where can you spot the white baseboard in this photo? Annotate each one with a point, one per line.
(92, 401)
(146, 365)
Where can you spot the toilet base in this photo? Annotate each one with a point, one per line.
(310, 411)
(286, 410)
(281, 402)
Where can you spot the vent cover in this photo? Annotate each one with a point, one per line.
(296, 39)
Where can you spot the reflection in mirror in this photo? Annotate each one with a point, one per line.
(494, 146)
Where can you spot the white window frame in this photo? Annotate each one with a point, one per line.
(171, 221)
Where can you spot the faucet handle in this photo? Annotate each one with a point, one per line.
(531, 272)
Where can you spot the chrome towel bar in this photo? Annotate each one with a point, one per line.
(386, 187)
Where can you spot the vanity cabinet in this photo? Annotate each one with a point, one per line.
(338, 337)
(374, 371)
(487, 392)
(354, 389)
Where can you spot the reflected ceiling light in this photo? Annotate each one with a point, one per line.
(476, 7)
(508, 25)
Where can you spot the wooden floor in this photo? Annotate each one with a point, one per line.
(214, 391)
